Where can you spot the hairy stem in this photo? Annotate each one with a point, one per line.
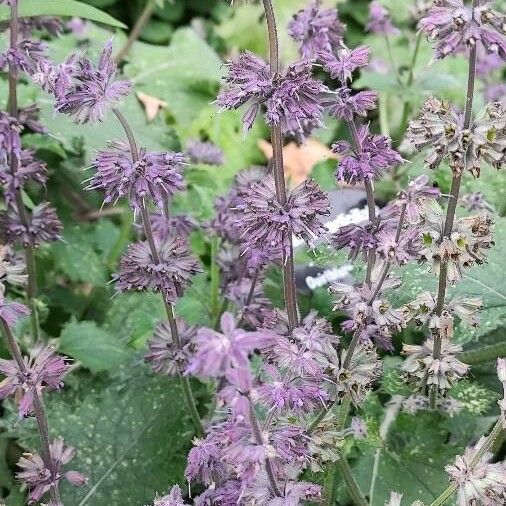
(289, 290)
(139, 25)
(31, 289)
(38, 408)
(497, 430)
(257, 434)
(450, 212)
(146, 223)
(406, 109)
(371, 204)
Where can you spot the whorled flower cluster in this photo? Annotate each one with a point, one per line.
(441, 129)
(291, 99)
(455, 26)
(169, 273)
(155, 176)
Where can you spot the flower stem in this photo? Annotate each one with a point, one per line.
(257, 434)
(141, 22)
(289, 290)
(392, 60)
(452, 206)
(487, 445)
(215, 279)
(406, 109)
(38, 408)
(146, 222)
(371, 204)
(31, 289)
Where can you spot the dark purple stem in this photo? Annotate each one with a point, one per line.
(289, 289)
(31, 289)
(38, 408)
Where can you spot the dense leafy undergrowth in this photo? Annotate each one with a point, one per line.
(129, 426)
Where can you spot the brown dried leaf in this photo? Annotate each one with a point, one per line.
(299, 160)
(152, 105)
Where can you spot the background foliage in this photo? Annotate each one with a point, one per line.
(130, 428)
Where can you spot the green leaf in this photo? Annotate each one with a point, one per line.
(96, 348)
(131, 437)
(186, 74)
(135, 315)
(76, 257)
(65, 8)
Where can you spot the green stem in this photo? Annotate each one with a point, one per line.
(392, 61)
(215, 279)
(488, 444)
(347, 475)
(141, 22)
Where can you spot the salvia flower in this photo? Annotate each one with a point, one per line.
(455, 26)
(173, 498)
(295, 101)
(93, 90)
(43, 226)
(168, 274)
(342, 104)
(379, 20)
(29, 169)
(39, 479)
(204, 152)
(10, 136)
(475, 201)
(440, 372)
(359, 239)
(12, 267)
(291, 99)
(43, 369)
(28, 117)
(357, 379)
(25, 56)
(11, 312)
(205, 463)
(341, 64)
(176, 224)
(414, 195)
(374, 156)
(219, 352)
(316, 29)
(267, 221)
(164, 356)
(478, 483)
(156, 175)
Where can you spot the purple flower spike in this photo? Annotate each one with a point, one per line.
(316, 30)
(11, 312)
(29, 169)
(169, 275)
(43, 226)
(10, 139)
(204, 152)
(219, 353)
(25, 56)
(44, 369)
(379, 20)
(248, 80)
(155, 175)
(92, 90)
(455, 26)
(173, 498)
(342, 64)
(39, 479)
(267, 222)
(343, 105)
(295, 101)
(374, 156)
